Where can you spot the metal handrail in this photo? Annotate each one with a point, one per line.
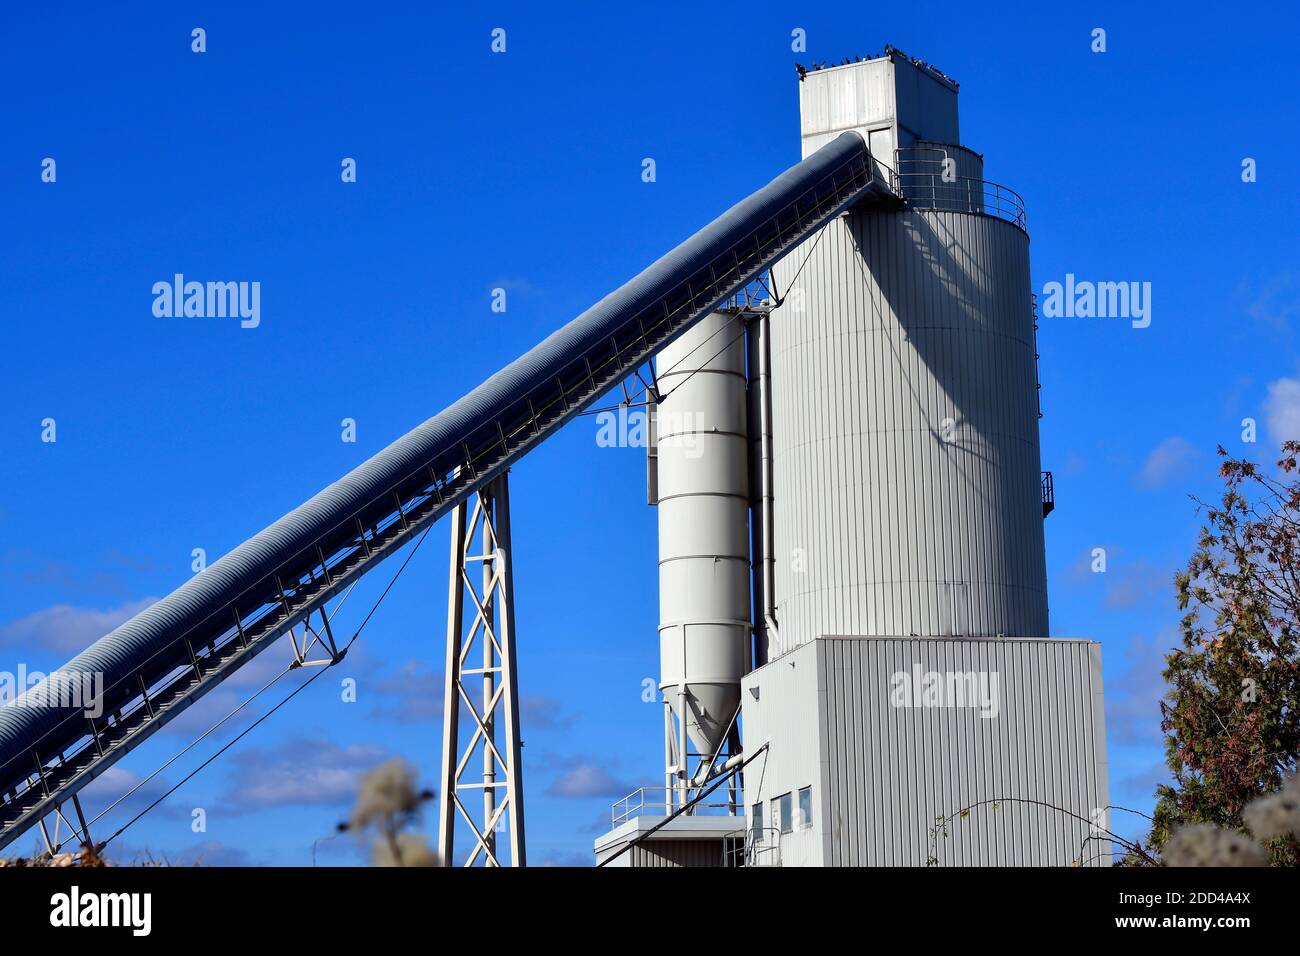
(636, 803)
(757, 295)
(740, 849)
(923, 186)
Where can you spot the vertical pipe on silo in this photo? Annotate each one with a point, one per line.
(758, 349)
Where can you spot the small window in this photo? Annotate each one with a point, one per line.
(805, 808)
(783, 810)
(758, 822)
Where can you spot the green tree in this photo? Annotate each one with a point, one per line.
(1231, 716)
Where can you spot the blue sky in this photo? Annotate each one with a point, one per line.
(522, 171)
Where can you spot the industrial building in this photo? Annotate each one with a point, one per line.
(856, 665)
(897, 668)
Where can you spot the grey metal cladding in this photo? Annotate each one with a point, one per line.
(152, 639)
(893, 771)
(907, 321)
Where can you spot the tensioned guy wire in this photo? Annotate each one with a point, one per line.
(294, 693)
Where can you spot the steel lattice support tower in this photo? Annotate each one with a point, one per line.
(481, 680)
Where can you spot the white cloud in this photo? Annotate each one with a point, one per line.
(66, 629)
(298, 772)
(1133, 583)
(588, 780)
(569, 858)
(1277, 301)
(1133, 698)
(1282, 411)
(1168, 460)
(544, 713)
(114, 784)
(412, 695)
(516, 285)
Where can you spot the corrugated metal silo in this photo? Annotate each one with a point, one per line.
(906, 431)
(907, 485)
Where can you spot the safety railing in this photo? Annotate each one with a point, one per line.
(657, 802)
(757, 296)
(927, 179)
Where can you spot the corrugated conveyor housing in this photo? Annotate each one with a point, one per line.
(168, 656)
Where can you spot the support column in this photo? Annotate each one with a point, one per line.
(488, 694)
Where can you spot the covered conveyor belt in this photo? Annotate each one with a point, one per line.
(171, 654)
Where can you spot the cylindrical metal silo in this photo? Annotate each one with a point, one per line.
(905, 418)
(703, 498)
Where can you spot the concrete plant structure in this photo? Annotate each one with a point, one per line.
(853, 626)
(902, 671)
